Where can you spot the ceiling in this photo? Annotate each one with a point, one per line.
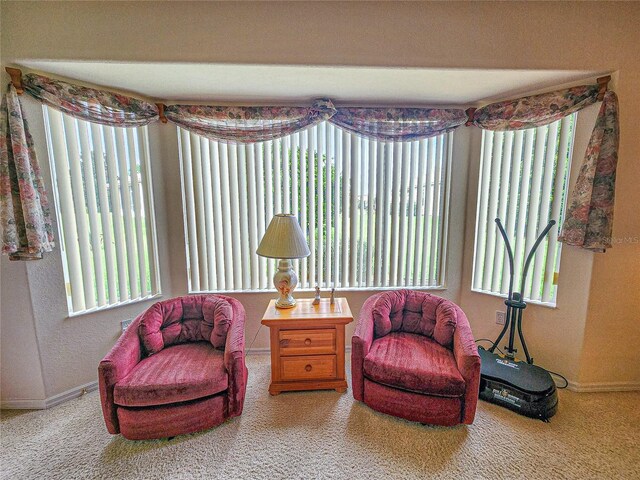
(289, 84)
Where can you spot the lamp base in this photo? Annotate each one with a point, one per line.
(286, 302)
(285, 281)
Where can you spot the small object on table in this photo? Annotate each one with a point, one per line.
(316, 301)
(333, 293)
(307, 345)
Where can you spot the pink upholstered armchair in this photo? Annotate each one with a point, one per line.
(178, 368)
(414, 357)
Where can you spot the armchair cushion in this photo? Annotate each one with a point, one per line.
(415, 363)
(415, 312)
(186, 319)
(175, 374)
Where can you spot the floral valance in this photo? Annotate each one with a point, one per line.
(535, 110)
(98, 106)
(24, 208)
(248, 124)
(589, 219)
(398, 124)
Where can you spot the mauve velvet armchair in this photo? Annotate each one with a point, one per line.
(178, 368)
(413, 356)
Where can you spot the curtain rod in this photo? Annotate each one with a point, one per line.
(16, 81)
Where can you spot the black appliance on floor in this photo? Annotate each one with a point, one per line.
(520, 386)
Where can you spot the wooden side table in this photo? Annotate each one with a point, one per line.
(307, 345)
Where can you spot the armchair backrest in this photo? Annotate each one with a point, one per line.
(415, 312)
(185, 319)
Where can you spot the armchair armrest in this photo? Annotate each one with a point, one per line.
(360, 346)
(234, 358)
(465, 352)
(116, 365)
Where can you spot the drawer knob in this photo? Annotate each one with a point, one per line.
(308, 368)
(307, 341)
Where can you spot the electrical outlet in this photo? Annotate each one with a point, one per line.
(501, 317)
(125, 323)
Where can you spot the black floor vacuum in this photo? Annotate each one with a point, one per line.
(520, 386)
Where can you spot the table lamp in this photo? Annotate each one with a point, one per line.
(284, 240)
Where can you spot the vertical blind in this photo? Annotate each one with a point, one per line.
(374, 213)
(523, 181)
(103, 198)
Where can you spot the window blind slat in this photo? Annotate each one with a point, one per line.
(437, 215)
(492, 209)
(260, 207)
(379, 213)
(410, 250)
(200, 236)
(116, 205)
(328, 213)
(193, 265)
(136, 193)
(216, 209)
(428, 213)
(320, 254)
(269, 189)
(486, 152)
(304, 142)
(338, 213)
(346, 206)
(353, 209)
(559, 189)
(209, 227)
(311, 200)
(92, 212)
(534, 200)
(370, 263)
(445, 209)
(243, 217)
(395, 211)
(512, 202)
(77, 192)
(68, 227)
(404, 194)
(543, 212)
(519, 242)
(295, 190)
(149, 211)
(252, 216)
(125, 194)
(105, 216)
(502, 199)
(419, 237)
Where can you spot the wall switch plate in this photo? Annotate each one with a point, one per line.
(501, 317)
(125, 323)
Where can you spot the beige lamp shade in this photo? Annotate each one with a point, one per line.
(283, 239)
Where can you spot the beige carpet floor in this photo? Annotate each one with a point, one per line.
(328, 435)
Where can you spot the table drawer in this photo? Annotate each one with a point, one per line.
(308, 367)
(307, 342)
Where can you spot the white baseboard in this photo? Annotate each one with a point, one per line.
(23, 404)
(604, 387)
(258, 351)
(26, 404)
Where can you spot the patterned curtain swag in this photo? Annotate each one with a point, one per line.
(28, 229)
